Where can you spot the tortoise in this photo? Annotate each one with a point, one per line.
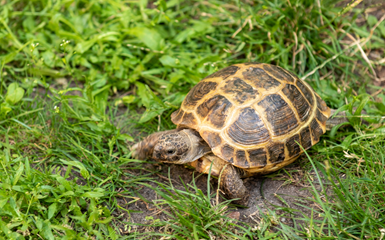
(243, 120)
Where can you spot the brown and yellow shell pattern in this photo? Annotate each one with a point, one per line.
(254, 115)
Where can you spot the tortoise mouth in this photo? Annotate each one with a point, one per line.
(134, 151)
(141, 150)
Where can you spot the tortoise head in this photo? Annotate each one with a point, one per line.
(174, 146)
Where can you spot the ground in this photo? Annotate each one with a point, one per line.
(291, 193)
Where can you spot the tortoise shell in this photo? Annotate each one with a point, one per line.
(254, 115)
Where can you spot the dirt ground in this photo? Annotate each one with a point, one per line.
(265, 193)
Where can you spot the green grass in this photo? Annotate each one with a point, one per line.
(73, 75)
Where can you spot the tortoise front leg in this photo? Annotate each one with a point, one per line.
(230, 177)
(232, 184)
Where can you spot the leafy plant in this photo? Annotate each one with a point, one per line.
(13, 96)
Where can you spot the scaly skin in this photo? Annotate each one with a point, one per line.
(232, 184)
(230, 176)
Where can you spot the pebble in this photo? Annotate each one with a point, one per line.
(234, 215)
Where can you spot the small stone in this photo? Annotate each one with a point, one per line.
(62, 81)
(234, 215)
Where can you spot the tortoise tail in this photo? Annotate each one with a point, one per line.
(337, 119)
(341, 118)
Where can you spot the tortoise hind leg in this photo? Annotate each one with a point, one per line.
(232, 184)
